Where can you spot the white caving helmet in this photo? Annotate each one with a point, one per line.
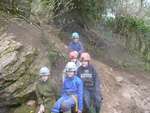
(71, 66)
(44, 71)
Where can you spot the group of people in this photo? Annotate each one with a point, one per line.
(81, 84)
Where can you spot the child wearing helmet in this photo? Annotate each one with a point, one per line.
(72, 92)
(45, 91)
(73, 57)
(76, 44)
(88, 75)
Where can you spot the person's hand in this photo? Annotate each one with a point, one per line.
(42, 109)
(39, 111)
(79, 111)
(66, 47)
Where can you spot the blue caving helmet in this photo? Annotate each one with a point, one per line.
(75, 35)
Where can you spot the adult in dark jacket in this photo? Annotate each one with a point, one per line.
(92, 92)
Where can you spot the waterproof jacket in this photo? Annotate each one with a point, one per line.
(74, 86)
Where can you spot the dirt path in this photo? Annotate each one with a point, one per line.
(123, 92)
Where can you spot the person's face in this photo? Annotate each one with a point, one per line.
(70, 73)
(44, 78)
(84, 63)
(76, 39)
(73, 60)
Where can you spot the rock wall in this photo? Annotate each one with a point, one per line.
(17, 77)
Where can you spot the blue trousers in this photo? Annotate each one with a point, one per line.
(92, 98)
(64, 103)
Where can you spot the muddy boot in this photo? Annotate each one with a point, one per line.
(97, 109)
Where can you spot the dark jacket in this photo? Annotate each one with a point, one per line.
(89, 77)
(76, 46)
